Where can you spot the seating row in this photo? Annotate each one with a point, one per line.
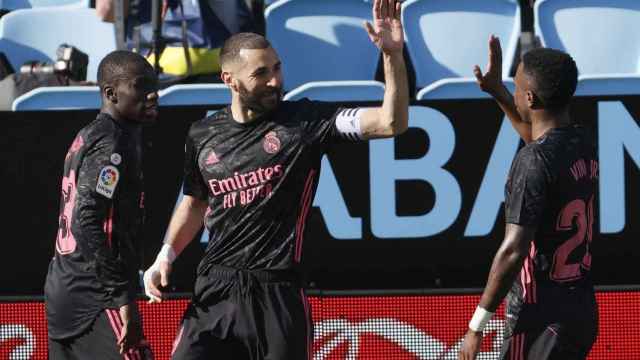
(444, 38)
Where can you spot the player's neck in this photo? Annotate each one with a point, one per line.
(115, 115)
(243, 114)
(543, 121)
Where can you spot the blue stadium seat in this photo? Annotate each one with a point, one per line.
(35, 34)
(347, 91)
(446, 38)
(24, 4)
(601, 35)
(322, 40)
(461, 88)
(611, 84)
(59, 98)
(195, 94)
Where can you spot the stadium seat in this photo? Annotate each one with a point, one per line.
(461, 88)
(347, 91)
(24, 4)
(601, 35)
(36, 34)
(446, 38)
(59, 98)
(611, 84)
(322, 40)
(195, 94)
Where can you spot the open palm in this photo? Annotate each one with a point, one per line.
(491, 80)
(386, 31)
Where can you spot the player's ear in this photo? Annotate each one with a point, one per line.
(109, 93)
(227, 79)
(533, 101)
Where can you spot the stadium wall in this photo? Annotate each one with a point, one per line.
(421, 211)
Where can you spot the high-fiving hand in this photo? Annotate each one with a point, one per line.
(386, 32)
(491, 81)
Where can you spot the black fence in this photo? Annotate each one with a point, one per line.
(421, 211)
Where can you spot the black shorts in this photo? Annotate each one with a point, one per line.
(240, 314)
(554, 342)
(100, 341)
(562, 324)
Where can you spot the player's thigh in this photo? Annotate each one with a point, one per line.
(559, 343)
(98, 342)
(549, 343)
(196, 341)
(101, 341)
(285, 323)
(515, 347)
(60, 350)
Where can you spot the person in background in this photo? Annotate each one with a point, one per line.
(207, 23)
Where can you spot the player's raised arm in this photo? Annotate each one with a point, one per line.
(386, 33)
(491, 83)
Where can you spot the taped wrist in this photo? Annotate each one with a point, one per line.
(480, 319)
(166, 254)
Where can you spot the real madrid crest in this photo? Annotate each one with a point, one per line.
(271, 143)
(116, 159)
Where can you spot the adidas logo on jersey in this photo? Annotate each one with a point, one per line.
(212, 159)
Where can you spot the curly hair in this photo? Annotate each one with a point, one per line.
(555, 76)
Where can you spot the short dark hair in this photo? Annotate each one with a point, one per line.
(239, 41)
(119, 64)
(555, 76)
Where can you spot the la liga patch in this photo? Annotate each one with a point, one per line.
(107, 181)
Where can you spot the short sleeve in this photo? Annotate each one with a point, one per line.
(528, 188)
(193, 182)
(319, 122)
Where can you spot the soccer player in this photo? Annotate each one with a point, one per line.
(251, 171)
(92, 283)
(544, 261)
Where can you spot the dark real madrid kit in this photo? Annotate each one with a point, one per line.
(551, 310)
(95, 267)
(259, 179)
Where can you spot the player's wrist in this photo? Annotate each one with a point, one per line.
(480, 319)
(167, 253)
(393, 56)
(500, 92)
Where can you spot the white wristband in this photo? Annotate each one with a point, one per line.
(166, 254)
(480, 319)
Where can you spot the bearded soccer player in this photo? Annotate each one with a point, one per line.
(251, 171)
(92, 284)
(544, 261)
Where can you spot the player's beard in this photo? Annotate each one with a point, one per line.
(260, 102)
